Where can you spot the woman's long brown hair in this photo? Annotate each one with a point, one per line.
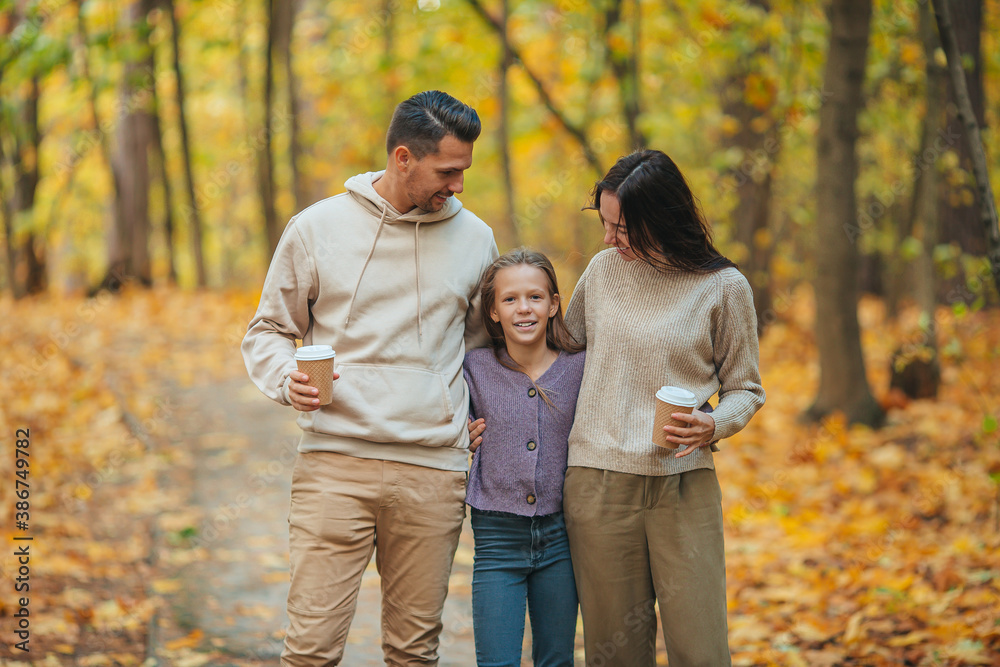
(664, 223)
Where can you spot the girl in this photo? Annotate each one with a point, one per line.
(661, 306)
(525, 387)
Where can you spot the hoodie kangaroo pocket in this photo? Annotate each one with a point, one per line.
(389, 404)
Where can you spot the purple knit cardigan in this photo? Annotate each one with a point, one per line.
(520, 465)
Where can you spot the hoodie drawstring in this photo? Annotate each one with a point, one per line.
(350, 308)
(416, 268)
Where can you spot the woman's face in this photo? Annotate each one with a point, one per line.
(614, 227)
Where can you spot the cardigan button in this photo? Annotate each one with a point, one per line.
(531, 445)
(532, 392)
(531, 499)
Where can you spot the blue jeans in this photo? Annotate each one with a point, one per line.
(520, 560)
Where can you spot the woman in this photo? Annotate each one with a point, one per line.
(660, 307)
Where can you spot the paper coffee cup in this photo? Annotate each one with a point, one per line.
(316, 361)
(668, 401)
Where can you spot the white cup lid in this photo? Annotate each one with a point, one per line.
(676, 396)
(311, 352)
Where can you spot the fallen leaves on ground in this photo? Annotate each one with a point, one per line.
(88, 378)
(847, 545)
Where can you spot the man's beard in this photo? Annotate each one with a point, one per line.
(427, 204)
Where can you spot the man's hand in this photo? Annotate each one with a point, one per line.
(476, 429)
(302, 396)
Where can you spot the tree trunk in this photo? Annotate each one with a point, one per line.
(843, 384)
(987, 204)
(8, 221)
(759, 147)
(128, 250)
(625, 67)
(959, 213)
(895, 269)
(284, 25)
(247, 100)
(168, 198)
(509, 236)
(265, 168)
(192, 213)
(7, 210)
(113, 277)
(7, 213)
(916, 368)
(752, 219)
(30, 255)
(926, 195)
(128, 242)
(26, 267)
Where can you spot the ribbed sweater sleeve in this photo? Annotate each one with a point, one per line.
(645, 329)
(736, 358)
(576, 312)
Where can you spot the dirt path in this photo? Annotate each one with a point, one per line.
(237, 450)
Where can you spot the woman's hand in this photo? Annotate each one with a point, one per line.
(698, 433)
(476, 429)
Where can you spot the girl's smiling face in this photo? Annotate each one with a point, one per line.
(523, 304)
(615, 233)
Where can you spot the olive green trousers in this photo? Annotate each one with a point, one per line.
(639, 541)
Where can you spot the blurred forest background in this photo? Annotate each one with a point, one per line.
(166, 142)
(151, 152)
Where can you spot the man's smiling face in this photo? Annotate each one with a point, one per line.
(428, 182)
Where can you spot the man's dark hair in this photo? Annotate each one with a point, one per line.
(420, 123)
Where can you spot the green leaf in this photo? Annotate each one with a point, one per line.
(953, 349)
(911, 248)
(989, 424)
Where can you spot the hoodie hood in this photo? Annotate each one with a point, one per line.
(362, 188)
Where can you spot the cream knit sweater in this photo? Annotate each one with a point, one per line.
(645, 329)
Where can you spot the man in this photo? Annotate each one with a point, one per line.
(387, 273)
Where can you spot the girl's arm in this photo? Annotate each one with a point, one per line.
(476, 426)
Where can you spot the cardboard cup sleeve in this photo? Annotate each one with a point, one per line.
(320, 372)
(663, 418)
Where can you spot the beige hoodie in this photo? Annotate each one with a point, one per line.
(396, 295)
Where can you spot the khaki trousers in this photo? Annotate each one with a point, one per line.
(636, 541)
(341, 508)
